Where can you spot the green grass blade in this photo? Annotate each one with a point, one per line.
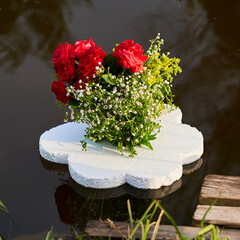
(82, 236)
(3, 207)
(130, 215)
(143, 217)
(154, 211)
(172, 221)
(146, 229)
(204, 216)
(50, 234)
(142, 227)
(205, 230)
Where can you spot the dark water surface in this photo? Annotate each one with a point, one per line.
(205, 35)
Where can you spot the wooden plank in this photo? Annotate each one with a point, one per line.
(219, 215)
(96, 228)
(227, 188)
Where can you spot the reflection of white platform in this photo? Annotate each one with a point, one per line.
(102, 166)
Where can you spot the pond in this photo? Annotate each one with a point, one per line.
(203, 34)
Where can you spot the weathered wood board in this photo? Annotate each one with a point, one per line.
(96, 228)
(219, 215)
(226, 188)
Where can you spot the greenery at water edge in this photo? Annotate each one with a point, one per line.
(146, 222)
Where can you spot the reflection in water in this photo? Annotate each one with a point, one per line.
(33, 28)
(77, 204)
(76, 209)
(62, 169)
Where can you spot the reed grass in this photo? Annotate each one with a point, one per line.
(148, 215)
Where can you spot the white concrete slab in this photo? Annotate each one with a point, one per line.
(102, 166)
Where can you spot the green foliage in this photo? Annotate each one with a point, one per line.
(148, 215)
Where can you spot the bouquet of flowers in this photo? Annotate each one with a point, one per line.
(121, 96)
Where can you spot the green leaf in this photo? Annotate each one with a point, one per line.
(108, 78)
(152, 137)
(110, 62)
(148, 144)
(120, 145)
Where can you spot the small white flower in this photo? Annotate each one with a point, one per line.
(120, 113)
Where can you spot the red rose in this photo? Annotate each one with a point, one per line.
(88, 62)
(64, 62)
(130, 55)
(62, 54)
(80, 47)
(59, 88)
(67, 71)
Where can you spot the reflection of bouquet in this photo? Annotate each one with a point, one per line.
(120, 95)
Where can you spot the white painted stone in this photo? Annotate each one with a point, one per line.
(103, 166)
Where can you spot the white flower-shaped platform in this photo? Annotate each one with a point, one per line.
(103, 166)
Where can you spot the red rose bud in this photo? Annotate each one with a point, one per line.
(59, 88)
(130, 55)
